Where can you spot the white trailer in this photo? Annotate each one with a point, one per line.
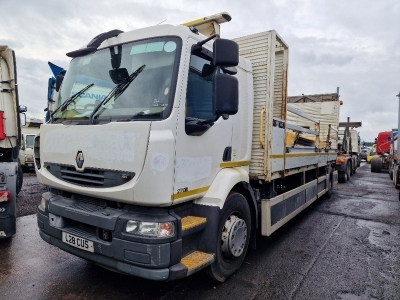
(10, 132)
(28, 133)
(166, 170)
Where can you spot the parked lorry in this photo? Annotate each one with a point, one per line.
(349, 158)
(28, 133)
(383, 154)
(166, 152)
(325, 108)
(11, 176)
(395, 169)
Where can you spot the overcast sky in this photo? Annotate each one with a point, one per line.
(351, 44)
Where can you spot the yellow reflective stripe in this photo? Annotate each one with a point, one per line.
(190, 23)
(300, 154)
(189, 193)
(232, 164)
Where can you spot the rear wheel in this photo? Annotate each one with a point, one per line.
(329, 193)
(234, 234)
(20, 179)
(379, 166)
(376, 165)
(395, 177)
(348, 171)
(342, 177)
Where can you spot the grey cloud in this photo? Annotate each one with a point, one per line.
(314, 59)
(13, 44)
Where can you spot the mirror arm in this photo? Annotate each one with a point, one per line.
(199, 45)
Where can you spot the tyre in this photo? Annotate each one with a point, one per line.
(348, 171)
(395, 177)
(342, 177)
(379, 166)
(234, 235)
(374, 165)
(20, 179)
(329, 193)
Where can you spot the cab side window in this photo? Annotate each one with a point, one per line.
(199, 116)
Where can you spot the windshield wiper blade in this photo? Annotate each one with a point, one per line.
(63, 106)
(117, 91)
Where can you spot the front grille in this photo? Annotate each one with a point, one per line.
(88, 204)
(80, 229)
(90, 177)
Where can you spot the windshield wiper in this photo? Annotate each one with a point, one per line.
(64, 106)
(117, 91)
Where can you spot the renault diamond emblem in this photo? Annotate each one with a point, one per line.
(79, 159)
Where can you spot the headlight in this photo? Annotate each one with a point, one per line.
(42, 204)
(161, 230)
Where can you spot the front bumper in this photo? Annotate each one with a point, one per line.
(146, 258)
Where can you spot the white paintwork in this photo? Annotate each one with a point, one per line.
(8, 99)
(355, 147)
(191, 169)
(222, 185)
(166, 160)
(326, 112)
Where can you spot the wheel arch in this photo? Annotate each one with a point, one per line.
(226, 181)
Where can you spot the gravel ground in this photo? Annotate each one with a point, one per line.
(29, 197)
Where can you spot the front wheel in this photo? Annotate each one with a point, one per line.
(233, 237)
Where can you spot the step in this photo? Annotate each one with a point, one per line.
(197, 260)
(191, 224)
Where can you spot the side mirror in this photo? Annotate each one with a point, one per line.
(59, 80)
(23, 108)
(225, 95)
(225, 53)
(22, 118)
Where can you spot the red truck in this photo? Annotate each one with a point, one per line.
(383, 158)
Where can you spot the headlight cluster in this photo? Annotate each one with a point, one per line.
(42, 204)
(152, 229)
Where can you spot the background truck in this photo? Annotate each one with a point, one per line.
(395, 169)
(52, 88)
(166, 152)
(28, 133)
(383, 155)
(349, 158)
(325, 108)
(11, 176)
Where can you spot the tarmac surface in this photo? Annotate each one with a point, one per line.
(346, 247)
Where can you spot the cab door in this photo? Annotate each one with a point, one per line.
(203, 140)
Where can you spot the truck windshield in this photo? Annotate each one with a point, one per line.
(146, 94)
(29, 141)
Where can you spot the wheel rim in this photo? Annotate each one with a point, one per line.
(234, 236)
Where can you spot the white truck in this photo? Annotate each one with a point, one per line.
(166, 152)
(394, 169)
(11, 116)
(349, 158)
(325, 108)
(28, 133)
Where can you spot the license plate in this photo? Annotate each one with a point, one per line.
(77, 242)
(29, 165)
